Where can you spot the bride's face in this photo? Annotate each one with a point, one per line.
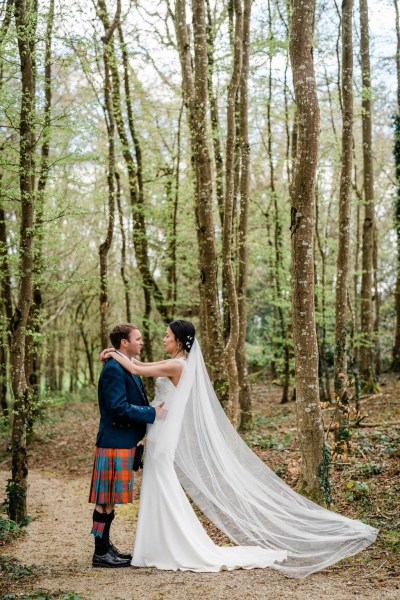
(170, 343)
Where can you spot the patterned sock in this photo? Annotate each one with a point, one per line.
(99, 524)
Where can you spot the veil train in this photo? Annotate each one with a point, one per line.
(245, 498)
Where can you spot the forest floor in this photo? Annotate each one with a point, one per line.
(51, 557)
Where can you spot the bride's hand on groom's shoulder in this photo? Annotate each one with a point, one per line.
(106, 354)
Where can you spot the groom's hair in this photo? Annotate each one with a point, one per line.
(121, 332)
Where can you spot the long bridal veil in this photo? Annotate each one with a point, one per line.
(242, 496)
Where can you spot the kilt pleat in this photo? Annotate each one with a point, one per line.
(112, 476)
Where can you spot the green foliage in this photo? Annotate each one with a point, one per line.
(11, 568)
(371, 468)
(12, 571)
(377, 442)
(42, 595)
(269, 442)
(8, 530)
(392, 539)
(356, 490)
(14, 492)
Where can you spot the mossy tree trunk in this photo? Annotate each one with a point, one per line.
(195, 85)
(396, 151)
(367, 333)
(25, 19)
(343, 258)
(242, 267)
(302, 187)
(105, 246)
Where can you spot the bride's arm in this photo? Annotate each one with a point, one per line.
(107, 353)
(164, 368)
(140, 363)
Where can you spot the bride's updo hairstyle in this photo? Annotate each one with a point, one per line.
(184, 333)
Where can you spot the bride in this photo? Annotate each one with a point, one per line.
(196, 449)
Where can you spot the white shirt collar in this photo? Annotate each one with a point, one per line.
(123, 355)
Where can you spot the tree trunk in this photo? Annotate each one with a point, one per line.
(230, 348)
(172, 246)
(214, 117)
(61, 363)
(136, 190)
(195, 94)
(377, 347)
(244, 382)
(322, 390)
(325, 379)
(6, 308)
(17, 488)
(5, 305)
(396, 151)
(81, 319)
(366, 354)
(124, 276)
(357, 249)
(105, 246)
(277, 226)
(34, 344)
(172, 204)
(343, 257)
(302, 228)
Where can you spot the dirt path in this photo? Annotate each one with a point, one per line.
(58, 539)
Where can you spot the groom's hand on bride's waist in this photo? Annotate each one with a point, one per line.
(161, 412)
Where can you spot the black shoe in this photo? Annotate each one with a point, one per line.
(109, 561)
(119, 554)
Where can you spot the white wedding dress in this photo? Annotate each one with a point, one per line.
(197, 448)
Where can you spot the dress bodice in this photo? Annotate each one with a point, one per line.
(164, 390)
(163, 435)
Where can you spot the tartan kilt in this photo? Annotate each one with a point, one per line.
(112, 477)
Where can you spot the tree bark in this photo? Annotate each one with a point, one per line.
(17, 488)
(278, 267)
(5, 305)
(242, 275)
(396, 151)
(343, 257)
(232, 300)
(124, 276)
(81, 319)
(5, 276)
(105, 246)
(322, 330)
(376, 299)
(309, 419)
(195, 94)
(136, 190)
(171, 231)
(34, 344)
(214, 118)
(366, 354)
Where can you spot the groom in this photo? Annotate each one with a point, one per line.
(124, 412)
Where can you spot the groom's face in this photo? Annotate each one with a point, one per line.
(134, 344)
